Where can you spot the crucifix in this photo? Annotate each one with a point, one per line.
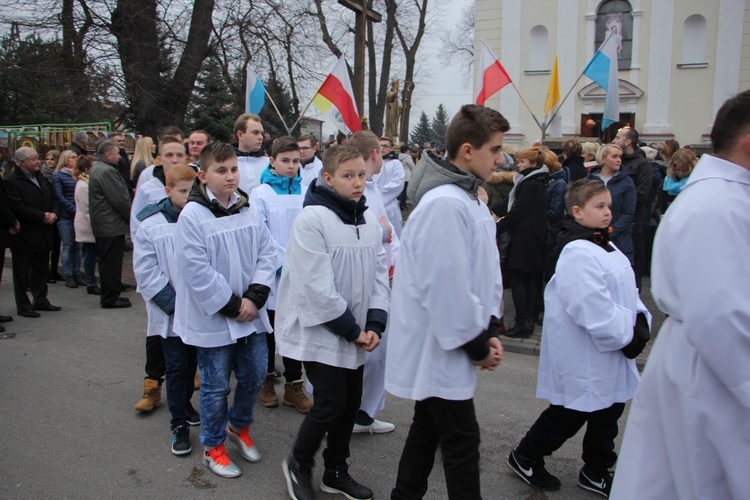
(364, 13)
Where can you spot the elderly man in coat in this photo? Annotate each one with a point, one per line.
(30, 198)
(688, 434)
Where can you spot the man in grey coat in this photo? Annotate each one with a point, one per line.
(109, 206)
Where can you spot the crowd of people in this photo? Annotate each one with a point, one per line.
(248, 250)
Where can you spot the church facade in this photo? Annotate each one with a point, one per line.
(678, 61)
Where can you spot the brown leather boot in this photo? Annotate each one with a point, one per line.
(295, 395)
(151, 396)
(268, 396)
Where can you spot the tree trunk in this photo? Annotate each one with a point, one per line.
(410, 54)
(156, 101)
(376, 97)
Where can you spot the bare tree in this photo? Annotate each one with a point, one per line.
(410, 45)
(460, 42)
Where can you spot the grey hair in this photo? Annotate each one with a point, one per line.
(115, 134)
(80, 137)
(105, 146)
(22, 154)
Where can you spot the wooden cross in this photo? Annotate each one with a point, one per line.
(363, 13)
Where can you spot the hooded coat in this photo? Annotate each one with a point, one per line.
(447, 286)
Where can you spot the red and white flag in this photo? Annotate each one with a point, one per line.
(492, 76)
(335, 99)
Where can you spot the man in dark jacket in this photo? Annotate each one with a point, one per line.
(30, 198)
(123, 162)
(634, 162)
(9, 226)
(109, 206)
(79, 143)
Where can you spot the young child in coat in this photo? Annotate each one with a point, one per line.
(332, 309)
(227, 260)
(154, 267)
(591, 307)
(279, 199)
(446, 305)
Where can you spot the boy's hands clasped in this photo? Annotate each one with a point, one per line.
(368, 340)
(248, 310)
(494, 357)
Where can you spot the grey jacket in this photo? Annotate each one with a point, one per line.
(109, 201)
(432, 172)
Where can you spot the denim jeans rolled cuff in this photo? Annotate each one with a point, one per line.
(71, 249)
(89, 263)
(181, 362)
(248, 357)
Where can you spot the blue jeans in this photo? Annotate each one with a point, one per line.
(89, 263)
(181, 361)
(71, 249)
(248, 358)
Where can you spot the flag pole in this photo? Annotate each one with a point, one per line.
(277, 111)
(526, 104)
(311, 101)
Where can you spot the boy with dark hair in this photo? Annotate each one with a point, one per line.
(446, 310)
(332, 309)
(586, 367)
(310, 163)
(228, 262)
(154, 267)
(279, 199)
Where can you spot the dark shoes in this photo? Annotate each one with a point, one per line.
(93, 290)
(298, 480)
(533, 473)
(70, 282)
(6, 319)
(46, 307)
(521, 330)
(194, 417)
(120, 303)
(79, 279)
(181, 440)
(338, 480)
(124, 287)
(29, 313)
(596, 482)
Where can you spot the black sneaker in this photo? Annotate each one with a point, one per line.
(194, 417)
(298, 480)
(533, 473)
(181, 440)
(596, 482)
(338, 480)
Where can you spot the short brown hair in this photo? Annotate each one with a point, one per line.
(313, 140)
(366, 142)
(681, 157)
(581, 191)
(731, 122)
(215, 152)
(169, 131)
(170, 139)
(473, 124)
(283, 144)
(179, 173)
(199, 131)
(240, 124)
(571, 147)
(336, 155)
(390, 141)
(534, 155)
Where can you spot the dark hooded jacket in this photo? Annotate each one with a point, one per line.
(623, 193)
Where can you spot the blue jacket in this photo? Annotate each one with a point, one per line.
(557, 186)
(64, 187)
(624, 196)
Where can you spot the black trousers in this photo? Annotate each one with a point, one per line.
(452, 425)
(523, 287)
(292, 367)
(30, 271)
(110, 251)
(338, 394)
(155, 362)
(402, 198)
(557, 424)
(639, 245)
(54, 257)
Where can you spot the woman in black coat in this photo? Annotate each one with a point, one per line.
(526, 222)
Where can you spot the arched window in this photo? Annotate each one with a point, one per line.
(614, 16)
(694, 40)
(538, 59)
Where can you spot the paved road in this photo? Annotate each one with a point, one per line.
(68, 382)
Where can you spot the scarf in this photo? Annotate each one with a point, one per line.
(673, 186)
(521, 177)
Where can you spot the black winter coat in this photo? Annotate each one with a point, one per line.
(7, 219)
(556, 189)
(575, 166)
(29, 202)
(526, 221)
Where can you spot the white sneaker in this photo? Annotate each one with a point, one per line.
(376, 427)
(245, 442)
(218, 462)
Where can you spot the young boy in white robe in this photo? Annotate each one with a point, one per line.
(279, 199)
(586, 370)
(331, 310)
(447, 296)
(390, 180)
(172, 153)
(155, 270)
(373, 379)
(227, 260)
